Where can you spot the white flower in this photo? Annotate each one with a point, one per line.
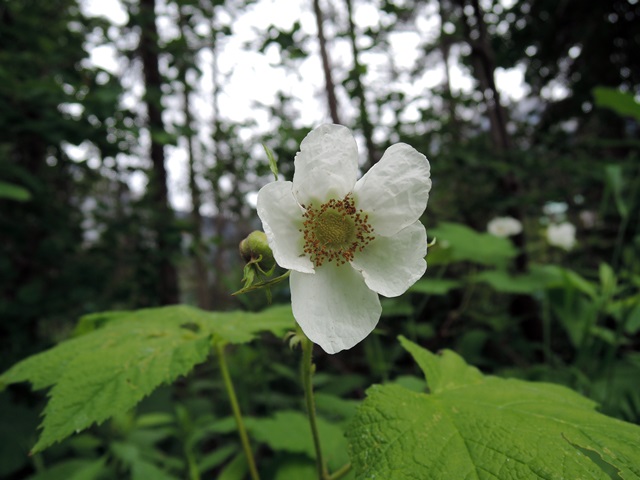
(562, 235)
(346, 241)
(504, 226)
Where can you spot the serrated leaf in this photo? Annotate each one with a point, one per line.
(112, 368)
(473, 426)
(443, 372)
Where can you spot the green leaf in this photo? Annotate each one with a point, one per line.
(215, 458)
(624, 104)
(109, 370)
(434, 286)
(483, 427)
(632, 325)
(273, 164)
(615, 181)
(461, 243)
(535, 280)
(73, 470)
(14, 192)
(296, 469)
(289, 431)
(563, 278)
(236, 469)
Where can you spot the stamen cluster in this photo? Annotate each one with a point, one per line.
(335, 231)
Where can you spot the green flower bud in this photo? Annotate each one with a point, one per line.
(255, 246)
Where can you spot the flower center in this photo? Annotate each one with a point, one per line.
(335, 231)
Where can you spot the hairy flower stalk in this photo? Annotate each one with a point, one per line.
(346, 240)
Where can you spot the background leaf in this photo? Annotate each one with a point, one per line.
(622, 103)
(289, 431)
(14, 192)
(465, 244)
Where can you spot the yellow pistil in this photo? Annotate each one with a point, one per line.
(335, 231)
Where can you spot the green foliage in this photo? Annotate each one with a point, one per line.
(72, 470)
(538, 278)
(288, 431)
(470, 425)
(434, 286)
(457, 242)
(273, 163)
(110, 369)
(623, 103)
(14, 192)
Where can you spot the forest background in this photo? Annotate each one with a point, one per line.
(129, 182)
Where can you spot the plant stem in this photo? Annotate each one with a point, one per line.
(244, 438)
(341, 472)
(307, 369)
(194, 473)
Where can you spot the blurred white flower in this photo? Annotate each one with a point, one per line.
(344, 241)
(504, 227)
(589, 218)
(562, 235)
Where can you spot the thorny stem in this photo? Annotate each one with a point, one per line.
(244, 438)
(307, 369)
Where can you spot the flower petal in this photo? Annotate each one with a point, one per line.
(390, 265)
(395, 191)
(334, 307)
(282, 220)
(326, 166)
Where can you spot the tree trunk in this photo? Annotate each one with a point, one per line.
(523, 307)
(365, 122)
(219, 296)
(445, 48)
(163, 217)
(484, 69)
(326, 65)
(203, 296)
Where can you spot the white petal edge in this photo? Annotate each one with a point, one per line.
(390, 265)
(282, 220)
(395, 191)
(326, 166)
(334, 307)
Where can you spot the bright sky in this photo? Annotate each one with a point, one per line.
(251, 76)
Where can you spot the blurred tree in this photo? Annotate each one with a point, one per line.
(356, 88)
(49, 100)
(162, 217)
(330, 87)
(184, 53)
(568, 49)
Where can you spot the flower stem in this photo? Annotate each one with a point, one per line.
(244, 438)
(307, 369)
